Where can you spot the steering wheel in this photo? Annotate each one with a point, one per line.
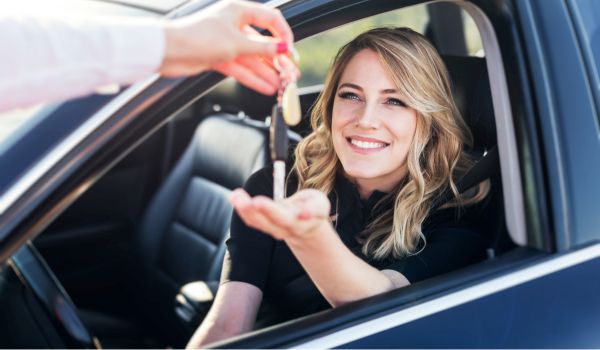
(43, 284)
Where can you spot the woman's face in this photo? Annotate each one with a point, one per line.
(372, 128)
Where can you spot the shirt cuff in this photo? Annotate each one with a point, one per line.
(138, 50)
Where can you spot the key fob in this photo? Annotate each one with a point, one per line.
(291, 105)
(278, 135)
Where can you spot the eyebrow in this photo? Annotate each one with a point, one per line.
(358, 87)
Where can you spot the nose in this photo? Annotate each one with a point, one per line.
(367, 117)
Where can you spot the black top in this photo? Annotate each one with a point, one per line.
(256, 258)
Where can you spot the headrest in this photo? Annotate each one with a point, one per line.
(229, 149)
(472, 94)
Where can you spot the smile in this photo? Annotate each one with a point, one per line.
(366, 144)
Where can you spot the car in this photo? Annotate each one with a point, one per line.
(113, 207)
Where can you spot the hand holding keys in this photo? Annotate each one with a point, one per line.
(286, 112)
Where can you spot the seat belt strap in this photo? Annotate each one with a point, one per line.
(484, 169)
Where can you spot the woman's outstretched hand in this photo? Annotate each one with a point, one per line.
(221, 38)
(293, 219)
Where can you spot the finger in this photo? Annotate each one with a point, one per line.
(251, 46)
(248, 212)
(288, 65)
(252, 33)
(255, 218)
(305, 214)
(250, 42)
(287, 221)
(246, 77)
(278, 213)
(285, 61)
(242, 203)
(267, 18)
(261, 69)
(238, 196)
(312, 204)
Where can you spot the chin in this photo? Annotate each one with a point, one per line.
(362, 172)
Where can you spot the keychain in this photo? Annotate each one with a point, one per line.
(285, 112)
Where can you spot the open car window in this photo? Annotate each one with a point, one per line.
(453, 30)
(317, 51)
(462, 27)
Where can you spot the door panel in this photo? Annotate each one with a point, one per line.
(553, 302)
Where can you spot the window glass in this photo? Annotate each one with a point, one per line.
(14, 123)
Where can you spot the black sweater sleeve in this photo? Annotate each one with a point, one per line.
(248, 255)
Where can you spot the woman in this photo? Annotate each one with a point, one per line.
(387, 140)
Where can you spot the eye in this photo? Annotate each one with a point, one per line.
(346, 95)
(395, 102)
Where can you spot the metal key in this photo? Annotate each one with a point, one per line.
(285, 112)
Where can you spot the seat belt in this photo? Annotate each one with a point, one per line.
(484, 168)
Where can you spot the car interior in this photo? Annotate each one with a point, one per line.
(140, 253)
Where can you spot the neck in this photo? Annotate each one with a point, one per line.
(366, 187)
(365, 193)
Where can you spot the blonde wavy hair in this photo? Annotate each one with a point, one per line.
(436, 159)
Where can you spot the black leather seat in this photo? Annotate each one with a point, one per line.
(182, 233)
(472, 94)
(471, 90)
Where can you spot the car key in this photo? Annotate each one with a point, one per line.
(285, 112)
(279, 150)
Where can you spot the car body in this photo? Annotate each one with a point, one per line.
(91, 165)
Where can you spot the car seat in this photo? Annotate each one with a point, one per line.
(472, 95)
(182, 234)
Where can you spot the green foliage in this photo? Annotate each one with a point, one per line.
(317, 52)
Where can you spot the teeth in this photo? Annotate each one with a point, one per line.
(367, 145)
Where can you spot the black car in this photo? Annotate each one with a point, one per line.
(114, 212)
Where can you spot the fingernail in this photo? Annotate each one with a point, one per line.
(282, 47)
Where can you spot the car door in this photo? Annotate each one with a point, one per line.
(543, 296)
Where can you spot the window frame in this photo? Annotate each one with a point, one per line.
(331, 328)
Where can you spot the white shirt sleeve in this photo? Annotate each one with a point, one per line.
(49, 59)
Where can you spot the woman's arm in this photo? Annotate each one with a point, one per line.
(301, 221)
(341, 276)
(233, 312)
